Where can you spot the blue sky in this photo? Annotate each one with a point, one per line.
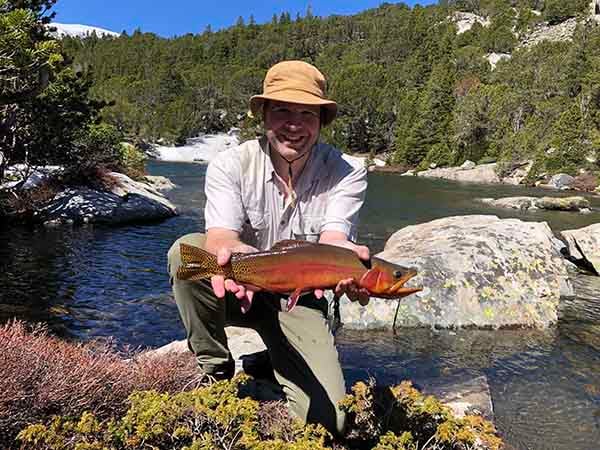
(177, 17)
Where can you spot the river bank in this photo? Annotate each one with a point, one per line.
(110, 283)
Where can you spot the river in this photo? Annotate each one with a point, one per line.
(110, 282)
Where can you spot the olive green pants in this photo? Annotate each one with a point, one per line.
(299, 343)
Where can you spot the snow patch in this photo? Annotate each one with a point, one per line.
(76, 30)
(199, 149)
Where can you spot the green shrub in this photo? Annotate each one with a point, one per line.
(386, 418)
(131, 161)
(212, 417)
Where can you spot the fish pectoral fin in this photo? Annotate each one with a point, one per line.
(293, 299)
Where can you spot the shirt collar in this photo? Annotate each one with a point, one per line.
(308, 174)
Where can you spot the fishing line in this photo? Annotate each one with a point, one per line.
(395, 317)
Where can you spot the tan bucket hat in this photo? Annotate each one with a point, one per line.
(295, 82)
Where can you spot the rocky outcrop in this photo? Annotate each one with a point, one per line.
(555, 33)
(476, 271)
(465, 20)
(576, 204)
(495, 58)
(124, 201)
(583, 246)
(483, 173)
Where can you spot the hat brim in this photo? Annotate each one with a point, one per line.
(329, 107)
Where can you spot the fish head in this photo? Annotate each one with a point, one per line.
(386, 280)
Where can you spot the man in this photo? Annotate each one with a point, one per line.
(285, 185)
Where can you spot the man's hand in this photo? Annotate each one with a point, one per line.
(347, 286)
(223, 245)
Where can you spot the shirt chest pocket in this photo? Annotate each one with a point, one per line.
(255, 231)
(307, 228)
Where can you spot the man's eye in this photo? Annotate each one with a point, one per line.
(310, 114)
(281, 110)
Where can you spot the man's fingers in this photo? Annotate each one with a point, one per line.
(223, 256)
(218, 285)
(363, 252)
(232, 286)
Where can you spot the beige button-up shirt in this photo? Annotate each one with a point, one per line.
(243, 195)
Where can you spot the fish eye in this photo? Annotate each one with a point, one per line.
(398, 273)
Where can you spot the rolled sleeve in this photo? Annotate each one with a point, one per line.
(223, 194)
(346, 199)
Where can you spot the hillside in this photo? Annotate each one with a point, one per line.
(416, 85)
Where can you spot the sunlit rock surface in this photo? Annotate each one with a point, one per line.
(476, 271)
(575, 203)
(584, 245)
(483, 173)
(125, 201)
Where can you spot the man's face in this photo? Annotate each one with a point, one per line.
(292, 129)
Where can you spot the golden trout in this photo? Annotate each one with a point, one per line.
(293, 267)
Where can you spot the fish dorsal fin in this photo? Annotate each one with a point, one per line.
(290, 243)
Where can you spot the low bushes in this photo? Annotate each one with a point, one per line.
(58, 395)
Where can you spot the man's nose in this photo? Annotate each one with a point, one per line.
(294, 119)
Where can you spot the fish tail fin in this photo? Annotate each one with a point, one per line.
(196, 264)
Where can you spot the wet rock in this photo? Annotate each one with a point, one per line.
(561, 181)
(476, 271)
(584, 246)
(464, 395)
(125, 201)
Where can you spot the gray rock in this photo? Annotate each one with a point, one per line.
(561, 32)
(241, 341)
(522, 203)
(464, 395)
(518, 174)
(159, 183)
(483, 173)
(126, 201)
(584, 245)
(578, 204)
(467, 165)
(476, 271)
(560, 181)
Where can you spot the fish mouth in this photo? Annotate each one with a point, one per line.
(397, 290)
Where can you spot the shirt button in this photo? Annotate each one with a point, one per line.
(282, 222)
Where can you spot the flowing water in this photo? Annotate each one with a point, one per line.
(97, 282)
